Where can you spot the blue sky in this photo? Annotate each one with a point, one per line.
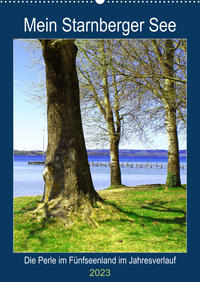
(30, 120)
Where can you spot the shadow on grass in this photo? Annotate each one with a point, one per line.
(37, 228)
(29, 207)
(34, 229)
(156, 206)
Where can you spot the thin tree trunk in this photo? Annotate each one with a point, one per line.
(115, 175)
(173, 169)
(67, 176)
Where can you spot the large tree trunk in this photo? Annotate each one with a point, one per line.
(115, 175)
(173, 169)
(68, 183)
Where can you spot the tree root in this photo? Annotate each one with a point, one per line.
(68, 213)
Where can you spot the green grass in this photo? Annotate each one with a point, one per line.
(154, 220)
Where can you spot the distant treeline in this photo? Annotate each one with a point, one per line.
(106, 152)
(28, 153)
(125, 152)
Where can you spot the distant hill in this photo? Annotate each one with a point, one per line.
(28, 153)
(126, 152)
(106, 152)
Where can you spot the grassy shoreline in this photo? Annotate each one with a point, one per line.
(151, 219)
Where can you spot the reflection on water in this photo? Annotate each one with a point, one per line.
(28, 179)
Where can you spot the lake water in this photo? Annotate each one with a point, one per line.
(28, 180)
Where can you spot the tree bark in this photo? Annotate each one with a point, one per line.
(114, 137)
(68, 183)
(115, 175)
(173, 168)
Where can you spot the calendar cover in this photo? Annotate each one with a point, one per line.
(99, 140)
